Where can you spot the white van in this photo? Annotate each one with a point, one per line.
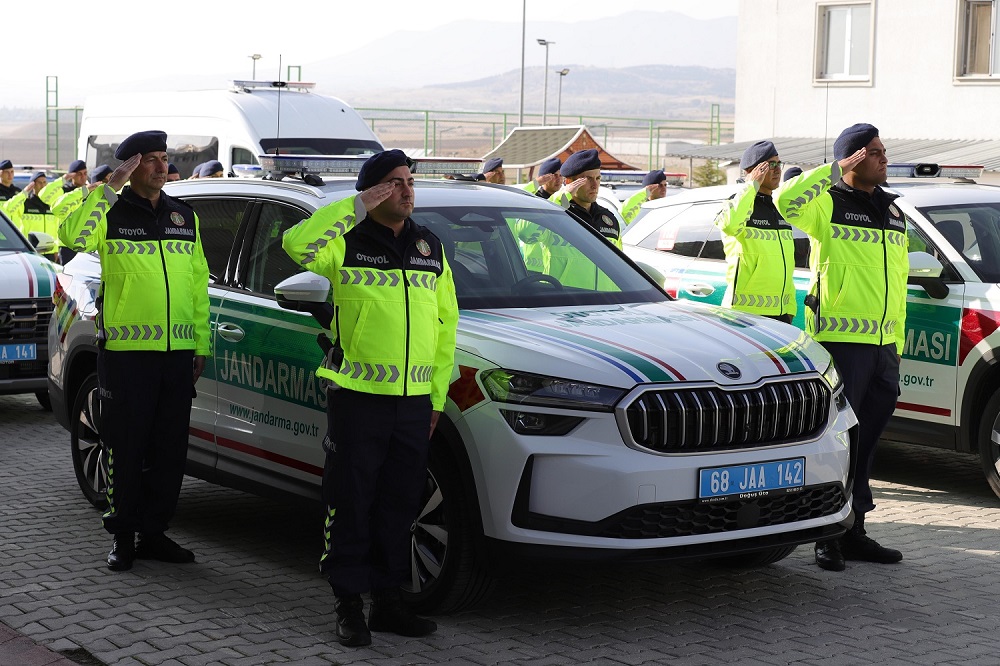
(233, 126)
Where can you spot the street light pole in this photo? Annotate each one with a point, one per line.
(545, 93)
(562, 73)
(524, 23)
(255, 57)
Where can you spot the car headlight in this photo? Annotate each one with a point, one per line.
(832, 377)
(524, 388)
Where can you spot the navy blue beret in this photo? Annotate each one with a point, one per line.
(492, 164)
(757, 153)
(791, 173)
(210, 168)
(171, 168)
(580, 161)
(654, 177)
(379, 165)
(551, 165)
(100, 173)
(853, 139)
(197, 169)
(141, 143)
(6, 164)
(35, 176)
(76, 165)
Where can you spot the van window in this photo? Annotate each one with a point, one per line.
(219, 220)
(269, 263)
(243, 156)
(313, 146)
(185, 151)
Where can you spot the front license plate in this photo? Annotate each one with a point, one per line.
(757, 480)
(11, 353)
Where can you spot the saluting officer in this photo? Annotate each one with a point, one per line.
(7, 187)
(493, 172)
(546, 181)
(758, 242)
(392, 361)
(29, 213)
(74, 178)
(153, 338)
(582, 179)
(857, 302)
(654, 186)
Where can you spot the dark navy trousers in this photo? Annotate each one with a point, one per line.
(145, 414)
(871, 384)
(373, 483)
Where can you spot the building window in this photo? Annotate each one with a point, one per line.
(979, 52)
(845, 41)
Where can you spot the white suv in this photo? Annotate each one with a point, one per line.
(599, 421)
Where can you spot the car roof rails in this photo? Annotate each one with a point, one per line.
(312, 168)
(931, 170)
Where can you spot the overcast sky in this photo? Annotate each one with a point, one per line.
(137, 41)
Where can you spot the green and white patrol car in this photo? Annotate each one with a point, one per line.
(950, 376)
(606, 421)
(27, 280)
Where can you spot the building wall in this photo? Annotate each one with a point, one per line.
(913, 92)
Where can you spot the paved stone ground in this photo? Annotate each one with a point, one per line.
(254, 596)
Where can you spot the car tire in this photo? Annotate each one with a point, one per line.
(446, 572)
(44, 400)
(760, 558)
(989, 451)
(90, 459)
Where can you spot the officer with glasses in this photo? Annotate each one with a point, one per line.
(758, 242)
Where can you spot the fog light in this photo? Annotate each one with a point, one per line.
(534, 423)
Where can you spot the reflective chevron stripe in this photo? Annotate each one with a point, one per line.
(131, 247)
(134, 332)
(758, 301)
(369, 372)
(856, 234)
(768, 234)
(95, 217)
(849, 325)
(182, 331)
(339, 228)
(895, 238)
(421, 373)
(423, 280)
(178, 247)
(369, 277)
(794, 206)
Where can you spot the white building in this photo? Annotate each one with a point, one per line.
(925, 72)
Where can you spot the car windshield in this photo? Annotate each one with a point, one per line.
(531, 258)
(10, 239)
(973, 230)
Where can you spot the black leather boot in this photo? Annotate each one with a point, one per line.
(389, 613)
(829, 555)
(163, 548)
(857, 545)
(351, 628)
(122, 552)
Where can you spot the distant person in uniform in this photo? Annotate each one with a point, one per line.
(30, 214)
(64, 206)
(212, 169)
(760, 252)
(153, 340)
(856, 303)
(493, 171)
(74, 178)
(7, 187)
(581, 175)
(654, 186)
(791, 172)
(546, 181)
(172, 173)
(196, 171)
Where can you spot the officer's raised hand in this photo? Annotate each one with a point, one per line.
(852, 161)
(575, 185)
(376, 194)
(760, 173)
(121, 175)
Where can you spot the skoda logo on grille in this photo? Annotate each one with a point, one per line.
(5, 318)
(729, 370)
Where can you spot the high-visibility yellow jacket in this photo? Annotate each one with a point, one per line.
(760, 254)
(396, 315)
(154, 277)
(632, 205)
(29, 213)
(859, 257)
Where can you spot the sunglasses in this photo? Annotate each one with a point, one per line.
(775, 165)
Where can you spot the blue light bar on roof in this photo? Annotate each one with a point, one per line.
(350, 165)
(930, 170)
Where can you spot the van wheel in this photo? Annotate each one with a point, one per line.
(989, 450)
(90, 457)
(445, 573)
(759, 559)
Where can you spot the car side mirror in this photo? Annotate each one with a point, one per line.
(925, 271)
(306, 292)
(42, 242)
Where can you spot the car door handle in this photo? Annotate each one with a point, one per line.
(230, 332)
(700, 289)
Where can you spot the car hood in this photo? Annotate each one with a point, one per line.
(625, 345)
(25, 275)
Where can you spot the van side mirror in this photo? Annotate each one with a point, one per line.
(925, 271)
